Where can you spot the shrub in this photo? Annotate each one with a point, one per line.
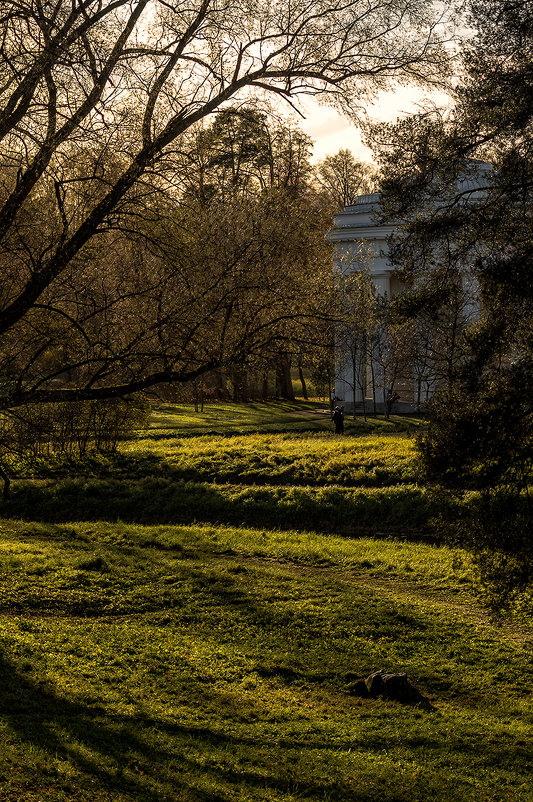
(69, 429)
(72, 428)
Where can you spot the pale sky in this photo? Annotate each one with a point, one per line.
(331, 131)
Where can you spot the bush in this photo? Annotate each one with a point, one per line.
(69, 429)
(72, 428)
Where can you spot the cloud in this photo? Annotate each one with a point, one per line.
(331, 131)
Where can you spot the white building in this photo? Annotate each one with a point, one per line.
(359, 238)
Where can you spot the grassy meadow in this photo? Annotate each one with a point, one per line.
(186, 619)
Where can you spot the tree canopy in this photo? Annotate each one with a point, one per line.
(95, 101)
(342, 178)
(459, 229)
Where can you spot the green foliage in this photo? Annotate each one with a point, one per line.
(495, 436)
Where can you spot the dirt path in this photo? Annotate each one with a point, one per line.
(461, 603)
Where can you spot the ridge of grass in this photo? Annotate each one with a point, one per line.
(210, 661)
(255, 459)
(401, 509)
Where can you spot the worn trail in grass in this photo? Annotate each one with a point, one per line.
(213, 663)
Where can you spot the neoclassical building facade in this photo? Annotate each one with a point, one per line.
(360, 242)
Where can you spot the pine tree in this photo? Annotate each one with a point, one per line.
(481, 428)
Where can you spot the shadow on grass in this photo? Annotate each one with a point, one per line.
(111, 752)
(397, 510)
(270, 417)
(57, 730)
(81, 752)
(219, 743)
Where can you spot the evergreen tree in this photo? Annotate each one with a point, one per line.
(480, 435)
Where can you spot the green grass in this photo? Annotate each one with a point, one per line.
(403, 510)
(304, 479)
(267, 417)
(179, 626)
(254, 459)
(213, 663)
(295, 459)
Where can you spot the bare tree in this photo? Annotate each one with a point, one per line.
(94, 98)
(343, 177)
(355, 325)
(392, 355)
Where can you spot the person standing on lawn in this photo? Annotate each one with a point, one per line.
(338, 420)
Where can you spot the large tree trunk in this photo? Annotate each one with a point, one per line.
(7, 483)
(240, 384)
(219, 385)
(283, 376)
(264, 386)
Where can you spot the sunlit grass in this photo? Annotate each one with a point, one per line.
(211, 658)
(208, 662)
(293, 458)
(279, 416)
(360, 483)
